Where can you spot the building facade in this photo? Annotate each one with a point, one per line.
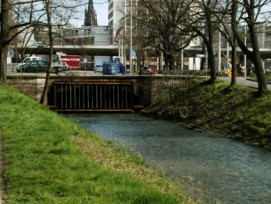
(119, 29)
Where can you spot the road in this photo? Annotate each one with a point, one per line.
(240, 80)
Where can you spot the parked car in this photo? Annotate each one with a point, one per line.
(34, 66)
(41, 66)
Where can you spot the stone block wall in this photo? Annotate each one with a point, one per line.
(147, 89)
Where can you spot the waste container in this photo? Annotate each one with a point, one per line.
(122, 69)
(110, 68)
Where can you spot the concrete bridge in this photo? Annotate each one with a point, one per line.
(95, 93)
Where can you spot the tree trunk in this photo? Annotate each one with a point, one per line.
(166, 63)
(254, 55)
(203, 59)
(233, 60)
(3, 72)
(171, 62)
(202, 63)
(4, 39)
(257, 60)
(51, 44)
(211, 62)
(209, 44)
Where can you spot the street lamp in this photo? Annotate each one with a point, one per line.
(131, 37)
(219, 53)
(245, 56)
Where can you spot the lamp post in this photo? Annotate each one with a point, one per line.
(125, 31)
(245, 56)
(219, 53)
(131, 37)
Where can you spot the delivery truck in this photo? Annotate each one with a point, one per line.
(71, 61)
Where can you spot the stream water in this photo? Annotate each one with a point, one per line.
(225, 170)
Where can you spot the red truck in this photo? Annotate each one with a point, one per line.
(71, 61)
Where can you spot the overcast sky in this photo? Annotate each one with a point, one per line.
(101, 7)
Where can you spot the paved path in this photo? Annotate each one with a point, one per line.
(244, 81)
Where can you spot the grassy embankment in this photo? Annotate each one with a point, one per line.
(48, 159)
(233, 111)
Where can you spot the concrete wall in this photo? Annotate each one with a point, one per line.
(30, 86)
(147, 89)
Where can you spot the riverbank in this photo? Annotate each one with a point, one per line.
(48, 159)
(235, 112)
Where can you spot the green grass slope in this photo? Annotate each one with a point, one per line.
(48, 159)
(236, 111)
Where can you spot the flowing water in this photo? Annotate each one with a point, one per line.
(224, 169)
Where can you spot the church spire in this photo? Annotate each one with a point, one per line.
(90, 15)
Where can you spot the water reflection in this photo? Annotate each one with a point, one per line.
(227, 170)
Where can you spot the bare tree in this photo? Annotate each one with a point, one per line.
(5, 8)
(48, 9)
(204, 23)
(252, 13)
(52, 10)
(10, 29)
(164, 24)
(223, 14)
(18, 16)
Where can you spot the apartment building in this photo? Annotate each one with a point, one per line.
(117, 10)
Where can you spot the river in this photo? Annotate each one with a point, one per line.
(225, 170)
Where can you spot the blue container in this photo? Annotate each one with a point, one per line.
(110, 68)
(122, 69)
(105, 67)
(115, 68)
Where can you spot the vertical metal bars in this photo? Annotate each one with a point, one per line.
(93, 96)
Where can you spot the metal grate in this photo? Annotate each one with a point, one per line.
(93, 96)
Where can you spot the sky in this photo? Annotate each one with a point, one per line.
(101, 8)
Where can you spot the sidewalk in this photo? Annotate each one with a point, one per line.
(244, 81)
